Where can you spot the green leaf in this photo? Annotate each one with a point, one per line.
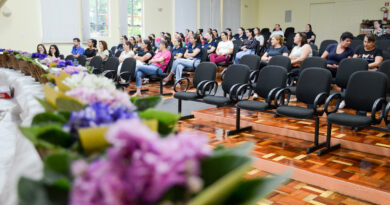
(68, 104)
(32, 192)
(48, 118)
(243, 150)
(166, 120)
(46, 105)
(31, 133)
(252, 191)
(144, 103)
(50, 134)
(217, 192)
(57, 170)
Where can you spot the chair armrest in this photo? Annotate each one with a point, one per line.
(109, 71)
(242, 90)
(179, 81)
(379, 104)
(329, 99)
(233, 91)
(96, 71)
(223, 74)
(199, 87)
(124, 73)
(385, 115)
(206, 85)
(271, 95)
(290, 78)
(319, 100)
(253, 76)
(279, 97)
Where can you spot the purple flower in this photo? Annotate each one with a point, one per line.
(2, 49)
(140, 166)
(61, 64)
(35, 55)
(95, 115)
(42, 56)
(68, 63)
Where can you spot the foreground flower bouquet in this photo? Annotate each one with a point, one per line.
(100, 147)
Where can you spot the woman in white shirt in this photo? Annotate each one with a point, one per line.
(126, 53)
(224, 48)
(301, 51)
(258, 36)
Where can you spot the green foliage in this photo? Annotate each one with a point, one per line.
(144, 103)
(68, 104)
(166, 120)
(48, 118)
(47, 136)
(46, 105)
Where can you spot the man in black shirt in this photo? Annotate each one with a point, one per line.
(368, 52)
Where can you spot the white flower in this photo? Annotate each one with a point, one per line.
(89, 81)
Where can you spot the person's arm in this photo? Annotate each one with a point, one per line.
(252, 44)
(355, 56)
(104, 56)
(325, 54)
(144, 58)
(211, 50)
(178, 55)
(261, 41)
(265, 57)
(376, 63)
(186, 54)
(305, 53)
(194, 53)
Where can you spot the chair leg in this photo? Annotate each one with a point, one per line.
(316, 136)
(179, 106)
(238, 129)
(328, 148)
(162, 89)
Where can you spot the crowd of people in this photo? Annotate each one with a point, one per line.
(153, 53)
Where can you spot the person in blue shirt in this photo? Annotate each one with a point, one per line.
(334, 53)
(77, 50)
(178, 50)
(209, 43)
(240, 35)
(191, 59)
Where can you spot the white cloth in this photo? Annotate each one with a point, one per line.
(259, 38)
(122, 57)
(297, 52)
(18, 157)
(281, 33)
(225, 47)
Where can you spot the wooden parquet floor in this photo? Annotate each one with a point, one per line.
(291, 151)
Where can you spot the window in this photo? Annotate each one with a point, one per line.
(99, 18)
(134, 8)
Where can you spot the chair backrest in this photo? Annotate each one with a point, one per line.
(288, 31)
(356, 43)
(235, 74)
(283, 61)
(169, 66)
(361, 36)
(314, 48)
(311, 82)
(270, 77)
(61, 57)
(110, 53)
(205, 71)
(385, 68)
(251, 60)
(290, 40)
(347, 67)
(69, 57)
(111, 64)
(82, 60)
(96, 62)
(324, 44)
(204, 55)
(382, 44)
(117, 54)
(361, 96)
(113, 49)
(314, 61)
(129, 65)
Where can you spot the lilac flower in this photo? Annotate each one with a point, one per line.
(140, 166)
(35, 55)
(97, 114)
(42, 56)
(114, 98)
(61, 64)
(68, 63)
(2, 49)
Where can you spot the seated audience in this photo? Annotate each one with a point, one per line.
(145, 53)
(248, 46)
(230, 33)
(369, 53)
(157, 65)
(126, 53)
(152, 40)
(168, 38)
(91, 51)
(41, 49)
(224, 49)
(216, 36)
(103, 51)
(240, 34)
(181, 35)
(276, 49)
(378, 31)
(123, 40)
(178, 50)
(187, 33)
(138, 42)
(133, 42)
(53, 51)
(334, 53)
(209, 43)
(277, 31)
(258, 36)
(77, 49)
(301, 51)
(311, 37)
(191, 59)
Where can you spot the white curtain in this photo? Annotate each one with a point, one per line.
(210, 14)
(231, 14)
(60, 20)
(185, 15)
(123, 17)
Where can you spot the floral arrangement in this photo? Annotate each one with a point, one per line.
(40, 56)
(52, 62)
(101, 147)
